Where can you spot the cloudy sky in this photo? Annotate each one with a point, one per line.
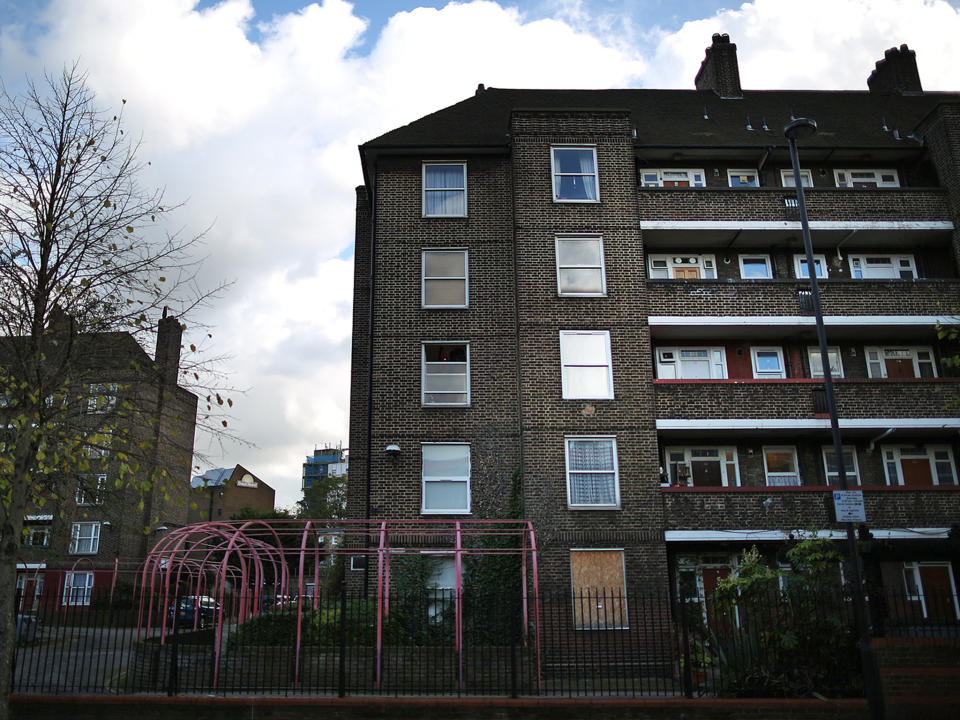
(252, 111)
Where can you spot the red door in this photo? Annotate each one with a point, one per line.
(916, 472)
(902, 368)
(938, 592)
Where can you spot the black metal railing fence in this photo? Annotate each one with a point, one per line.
(594, 643)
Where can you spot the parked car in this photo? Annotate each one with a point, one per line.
(184, 611)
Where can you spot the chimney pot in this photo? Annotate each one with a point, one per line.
(167, 357)
(896, 72)
(720, 70)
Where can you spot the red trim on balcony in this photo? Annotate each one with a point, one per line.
(805, 381)
(807, 489)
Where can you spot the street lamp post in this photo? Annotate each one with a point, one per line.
(796, 129)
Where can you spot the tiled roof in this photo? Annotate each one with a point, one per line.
(675, 118)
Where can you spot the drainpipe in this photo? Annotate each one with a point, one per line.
(873, 442)
(370, 325)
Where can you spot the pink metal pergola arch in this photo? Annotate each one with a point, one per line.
(247, 554)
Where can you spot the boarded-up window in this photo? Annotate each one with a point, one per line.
(599, 592)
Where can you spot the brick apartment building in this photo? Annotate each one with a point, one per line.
(74, 545)
(606, 290)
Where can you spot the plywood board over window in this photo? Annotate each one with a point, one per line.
(599, 592)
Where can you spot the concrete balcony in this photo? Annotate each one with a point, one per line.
(794, 508)
(802, 399)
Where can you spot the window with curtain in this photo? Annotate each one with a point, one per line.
(592, 477)
(574, 174)
(444, 189)
(780, 466)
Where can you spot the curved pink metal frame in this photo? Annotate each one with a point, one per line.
(237, 554)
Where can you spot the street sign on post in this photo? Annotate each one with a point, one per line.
(848, 506)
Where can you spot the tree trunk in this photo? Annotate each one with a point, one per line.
(10, 535)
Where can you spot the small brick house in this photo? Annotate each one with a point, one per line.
(605, 290)
(221, 493)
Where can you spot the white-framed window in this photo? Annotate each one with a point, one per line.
(850, 467)
(691, 363)
(599, 590)
(767, 363)
(786, 178)
(866, 178)
(702, 466)
(445, 478)
(883, 267)
(919, 465)
(682, 267)
(90, 490)
(444, 189)
(445, 373)
(102, 397)
(780, 466)
(586, 364)
(85, 538)
(743, 178)
(580, 268)
(444, 278)
(574, 171)
(816, 361)
(755, 267)
(900, 362)
(672, 177)
(592, 474)
(77, 588)
(36, 536)
(932, 585)
(800, 265)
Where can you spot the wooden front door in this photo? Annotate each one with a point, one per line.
(938, 594)
(686, 273)
(899, 367)
(916, 472)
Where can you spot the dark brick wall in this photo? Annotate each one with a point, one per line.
(490, 425)
(547, 417)
(518, 415)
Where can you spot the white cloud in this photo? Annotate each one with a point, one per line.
(817, 44)
(262, 137)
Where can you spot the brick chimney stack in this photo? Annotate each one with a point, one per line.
(167, 358)
(897, 72)
(719, 70)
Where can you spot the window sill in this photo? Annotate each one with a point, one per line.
(602, 508)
